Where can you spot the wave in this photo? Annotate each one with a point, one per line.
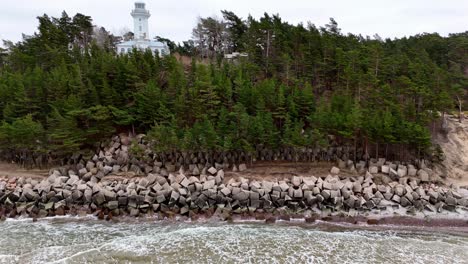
(85, 239)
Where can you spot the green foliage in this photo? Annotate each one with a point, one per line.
(72, 130)
(164, 137)
(64, 135)
(137, 151)
(121, 117)
(22, 134)
(150, 105)
(298, 85)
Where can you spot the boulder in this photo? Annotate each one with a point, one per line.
(134, 212)
(405, 202)
(309, 181)
(345, 193)
(143, 182)
(284, 186)
(107, 169)
(185, 182)
(212, 171)
(82, 172)
(319, 198)
(242, 167)
(209, 184)
(382, 188)
(255, 185)
(334, 194)
(411, 171)
(76, 195)
(99, 198)
(423, 175)
(327, 185)
(170, 167)
(373, 169)
(122, 200)
(316, 190)
(338, 185)
(385, 169)
(335, 170)
(296, 181)
(298, 193)
(399, 190)
(112, 205)
(341, 164)
(174, 196)
(357, 187)
(451, 201)
(241, 196)
(220, 174)
(226, 191)
(429, 207)
(388, 195)
(325, 194)
(267, 186)
(115, 168)
(396, 198)
(393, 174)
(401, 171)
(160, 198)
(90, 165)
(88, 195)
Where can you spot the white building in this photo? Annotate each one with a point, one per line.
(141, 39)
(235, 55)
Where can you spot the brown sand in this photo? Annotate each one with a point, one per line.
(11, 170)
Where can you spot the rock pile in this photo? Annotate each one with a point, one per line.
(189, 183)
(178, 193)
(391, 170)
(134, 156)
(118, 157)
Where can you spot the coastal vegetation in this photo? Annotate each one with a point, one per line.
(64, 90)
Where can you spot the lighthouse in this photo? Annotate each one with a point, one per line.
(140, 21)
(142, 39)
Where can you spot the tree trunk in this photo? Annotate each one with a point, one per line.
(267, 50)
(366, 152)
(460, 113)
(355, 149)
(377, 150)
(386, 151)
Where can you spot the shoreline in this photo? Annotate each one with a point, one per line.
(431, 224)
(408, 217)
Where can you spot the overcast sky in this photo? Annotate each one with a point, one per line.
(175, 19)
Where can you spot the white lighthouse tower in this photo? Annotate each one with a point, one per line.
(140, 21)
(141, 39)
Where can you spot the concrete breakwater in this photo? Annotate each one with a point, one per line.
(137, 156)
(178, 194)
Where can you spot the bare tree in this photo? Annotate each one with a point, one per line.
(210, 36)
(126, 34)
(459, 96)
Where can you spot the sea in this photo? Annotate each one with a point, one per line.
(89, 240)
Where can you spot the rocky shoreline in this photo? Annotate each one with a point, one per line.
(210, 195)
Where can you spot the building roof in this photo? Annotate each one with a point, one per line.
(143, 43)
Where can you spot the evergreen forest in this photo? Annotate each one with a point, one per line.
(64, 90)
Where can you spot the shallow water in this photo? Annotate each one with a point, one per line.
(87, 240)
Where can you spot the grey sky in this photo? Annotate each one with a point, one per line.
(175, 19)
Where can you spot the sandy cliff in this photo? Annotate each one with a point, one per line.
(455, 147)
